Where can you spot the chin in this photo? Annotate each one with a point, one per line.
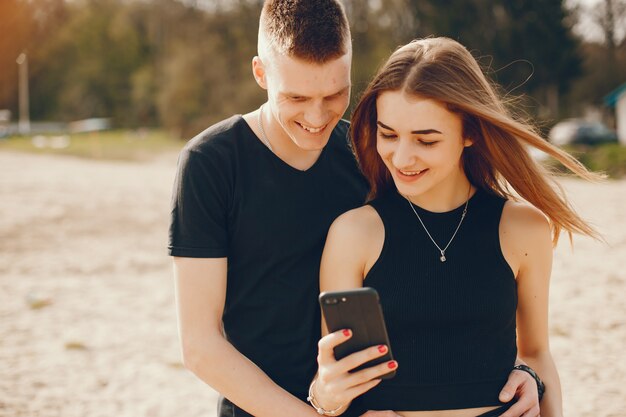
(410, 190)
(312, 144)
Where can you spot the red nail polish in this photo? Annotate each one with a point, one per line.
(392, 365)
(382, 348)
(346, 332)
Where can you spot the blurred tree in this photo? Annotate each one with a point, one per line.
(186, 64)
(207, 68)
(540, 32)
(51, 15)
(610, 16)
(604, 67)
(377, 29)
(93, 56)
(16, 26)
(526, 45)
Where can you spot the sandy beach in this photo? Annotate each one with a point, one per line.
(87, 317)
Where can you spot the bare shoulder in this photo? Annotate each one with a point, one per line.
(521, 216)
(524, 230)
(357, 223)
(358, 236)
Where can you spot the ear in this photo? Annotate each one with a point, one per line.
(467, 142)
(259, 72)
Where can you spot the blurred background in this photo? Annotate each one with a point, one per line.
(184, 64)
(98, 96)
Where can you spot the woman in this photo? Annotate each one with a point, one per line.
(461, 263)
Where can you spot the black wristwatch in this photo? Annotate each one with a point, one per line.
(541, 388)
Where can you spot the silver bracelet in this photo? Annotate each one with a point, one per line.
(320, 410)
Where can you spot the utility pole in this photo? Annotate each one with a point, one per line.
(24, 121)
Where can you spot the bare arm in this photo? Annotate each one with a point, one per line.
(354, 242)
(527, 242)
(200, 296)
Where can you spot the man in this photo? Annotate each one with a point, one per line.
(253, 199)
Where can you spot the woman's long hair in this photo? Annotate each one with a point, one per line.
(443, 70)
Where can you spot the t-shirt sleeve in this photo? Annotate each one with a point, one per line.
(200, 205)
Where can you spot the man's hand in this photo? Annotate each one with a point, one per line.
(523, 387)
(380, 414)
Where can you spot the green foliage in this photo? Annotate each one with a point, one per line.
(602, 73)
(103, 46)
(609, 159)
(167, 63)
(206, 72)
(16, 20)
(117, 144)
(27, 26)
(526, 45)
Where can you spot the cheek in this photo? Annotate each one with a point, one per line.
(341, 105)
(384, 149)
(286, 111)
(450, 157)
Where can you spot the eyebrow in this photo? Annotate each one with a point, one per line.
(342, 90)
(415, 132)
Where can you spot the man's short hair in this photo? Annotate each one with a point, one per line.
(312, 30)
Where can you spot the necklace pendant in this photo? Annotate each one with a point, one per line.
(442, 258)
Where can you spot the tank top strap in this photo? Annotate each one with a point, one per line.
(486, 210)
(386, 206)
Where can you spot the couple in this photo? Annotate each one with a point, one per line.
(461, 265)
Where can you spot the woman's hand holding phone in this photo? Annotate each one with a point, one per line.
(336, 385)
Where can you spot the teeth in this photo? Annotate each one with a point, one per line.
(311, 129)
(410, 173)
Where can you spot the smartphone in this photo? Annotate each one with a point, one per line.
(358, 310)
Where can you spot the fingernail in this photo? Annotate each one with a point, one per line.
(346, 332)
(382, 348)
(392, 365)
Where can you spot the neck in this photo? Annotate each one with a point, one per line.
(445, 197)
(283, 146)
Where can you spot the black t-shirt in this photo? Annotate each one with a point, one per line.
(234, 198)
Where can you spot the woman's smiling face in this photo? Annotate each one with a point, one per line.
(421, 142)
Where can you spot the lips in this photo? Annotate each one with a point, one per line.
(312, 130)
(410, 175)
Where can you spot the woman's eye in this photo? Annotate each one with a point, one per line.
(386, 135)
(425, 143)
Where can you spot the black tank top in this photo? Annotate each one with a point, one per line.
(451, 324)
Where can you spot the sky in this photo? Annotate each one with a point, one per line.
(586, 27)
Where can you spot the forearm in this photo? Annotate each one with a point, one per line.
(552, 402)
(225, 369)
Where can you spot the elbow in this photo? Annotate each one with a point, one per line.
(195, 353)
(199, 346)
(191, 355)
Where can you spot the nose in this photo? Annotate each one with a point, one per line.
(404, 155)
(317, 114)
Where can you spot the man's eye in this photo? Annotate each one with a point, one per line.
(336, 96)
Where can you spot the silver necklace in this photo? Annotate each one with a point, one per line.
(442, 258)
(263, 136)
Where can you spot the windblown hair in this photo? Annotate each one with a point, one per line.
(441, 69)
(315, 31)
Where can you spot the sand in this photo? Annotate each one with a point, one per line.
(87, 317)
